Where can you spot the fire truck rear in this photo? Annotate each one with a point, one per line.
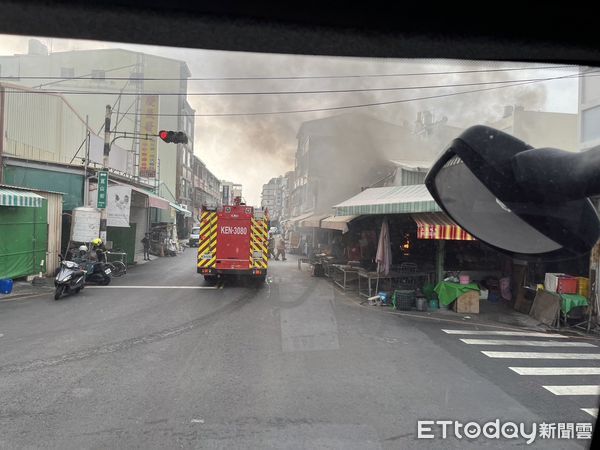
(233, 241)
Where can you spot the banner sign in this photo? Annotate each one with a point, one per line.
(119, 205)
(148, 125)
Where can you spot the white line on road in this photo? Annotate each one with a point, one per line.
(152, 287)
(591, 411)
(526, 343)
(588, 389)
(505, 333)
(556, 370)
(534, 355)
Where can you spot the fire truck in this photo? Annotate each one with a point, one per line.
(233, 241)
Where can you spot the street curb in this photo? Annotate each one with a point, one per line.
(23, 296)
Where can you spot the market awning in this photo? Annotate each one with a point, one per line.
(339, 223)
(180, 209)
(313, 221)
(295, 220)
(389, 200)
(439, 226)
(17, 197)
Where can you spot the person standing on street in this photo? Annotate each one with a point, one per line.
(146, 242)
(280, 248)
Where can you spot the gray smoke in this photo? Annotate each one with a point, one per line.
(252, 149)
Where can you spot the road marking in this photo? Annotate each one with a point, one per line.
(534, 355)
(588, 389)
(591, 411)
(505, 333)
(556, 370)
(151, 287)
(526, 343)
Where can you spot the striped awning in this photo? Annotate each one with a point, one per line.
(181, 209)
(17, 197)
(439, 226)
(339, 223)
(313, 221)
(389, 200)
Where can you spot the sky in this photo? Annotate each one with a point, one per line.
(250, 149)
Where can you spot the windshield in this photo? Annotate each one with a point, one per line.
(274, 271)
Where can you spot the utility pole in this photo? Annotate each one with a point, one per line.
(86, 181)
(104, 211)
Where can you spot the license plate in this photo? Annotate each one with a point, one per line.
(257, 254)
(107, 271)
(206, 256)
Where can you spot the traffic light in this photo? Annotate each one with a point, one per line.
(173, 137)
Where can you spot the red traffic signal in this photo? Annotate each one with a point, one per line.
(173, 137)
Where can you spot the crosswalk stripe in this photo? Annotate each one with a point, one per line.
(591, 411)
(574, 390)
(505, 333)
(526, 343)
(535, 355)
(556, 370)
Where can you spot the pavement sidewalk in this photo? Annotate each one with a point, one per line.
(499, 315)
(23, 289)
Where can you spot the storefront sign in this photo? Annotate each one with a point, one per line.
(148, 125)
(102, 189)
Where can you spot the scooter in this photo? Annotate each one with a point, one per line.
(69, 279)
(98, 273)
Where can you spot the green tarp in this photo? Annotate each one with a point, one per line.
(448, 292)
(570, 301)
(23, 240)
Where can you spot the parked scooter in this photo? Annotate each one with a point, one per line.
(69, 279)
(97, 272)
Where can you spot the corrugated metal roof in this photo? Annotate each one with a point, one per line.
(389, 200)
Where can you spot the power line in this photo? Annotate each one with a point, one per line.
(330, 91)
(298, 77)
(62, 79)
(337, 108)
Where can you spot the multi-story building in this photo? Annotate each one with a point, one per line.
(272, 197)
(540, 129)
(132, 83)
(338, 156)
(206, 188)
(229, 191)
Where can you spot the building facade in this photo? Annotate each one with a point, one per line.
(131, 83)
(272, 197)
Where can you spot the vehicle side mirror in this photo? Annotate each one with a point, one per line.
(528, 203)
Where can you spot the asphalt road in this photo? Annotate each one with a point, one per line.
(161, 360)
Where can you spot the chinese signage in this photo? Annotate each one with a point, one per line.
(102, 189)
(148, 125)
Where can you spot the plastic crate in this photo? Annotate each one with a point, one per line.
(551, 281)
(404, 300)
(567, 285)
(583, 286)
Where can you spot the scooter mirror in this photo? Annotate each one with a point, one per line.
(515, 198)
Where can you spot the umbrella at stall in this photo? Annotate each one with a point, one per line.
(384, 252)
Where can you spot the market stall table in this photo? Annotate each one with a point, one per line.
(568, 302)
(448, 292)
(344, 275)
(368, 290)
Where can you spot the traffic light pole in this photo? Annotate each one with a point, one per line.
(105, 164)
